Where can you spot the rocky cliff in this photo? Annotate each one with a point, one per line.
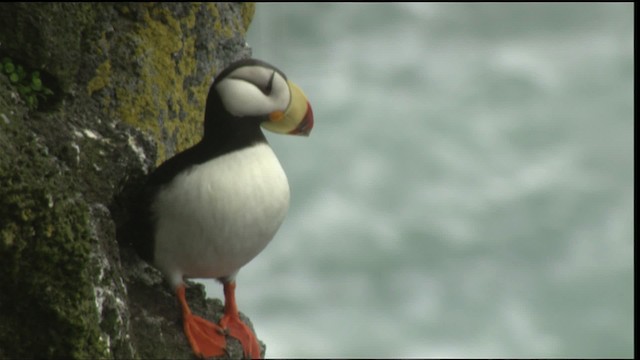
(92, 97)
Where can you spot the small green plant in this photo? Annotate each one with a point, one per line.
(28, 83)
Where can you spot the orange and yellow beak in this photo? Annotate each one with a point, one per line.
(296, 119)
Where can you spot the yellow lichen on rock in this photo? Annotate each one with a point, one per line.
(101, 80)
(248, 10)
(223, 29)
(166, 57)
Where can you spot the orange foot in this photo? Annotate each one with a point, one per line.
(206, 338)
(235, 327)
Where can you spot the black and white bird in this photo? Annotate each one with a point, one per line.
(212, 208)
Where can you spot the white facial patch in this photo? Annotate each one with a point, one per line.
(243, 91)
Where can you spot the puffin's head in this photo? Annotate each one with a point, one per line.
(251, 90)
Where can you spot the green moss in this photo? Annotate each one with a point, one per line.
(63, 25)
(45, 235)
(26, 81)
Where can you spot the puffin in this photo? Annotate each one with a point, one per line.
(212, 208)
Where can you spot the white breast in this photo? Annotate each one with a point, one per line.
(216, 217)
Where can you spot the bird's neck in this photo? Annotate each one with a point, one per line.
(223, 132)
(232, 134)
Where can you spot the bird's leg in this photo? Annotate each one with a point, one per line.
(206, 338)
(234, 326)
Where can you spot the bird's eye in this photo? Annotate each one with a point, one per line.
(269, 87)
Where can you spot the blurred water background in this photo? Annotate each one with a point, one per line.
(467, 190)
